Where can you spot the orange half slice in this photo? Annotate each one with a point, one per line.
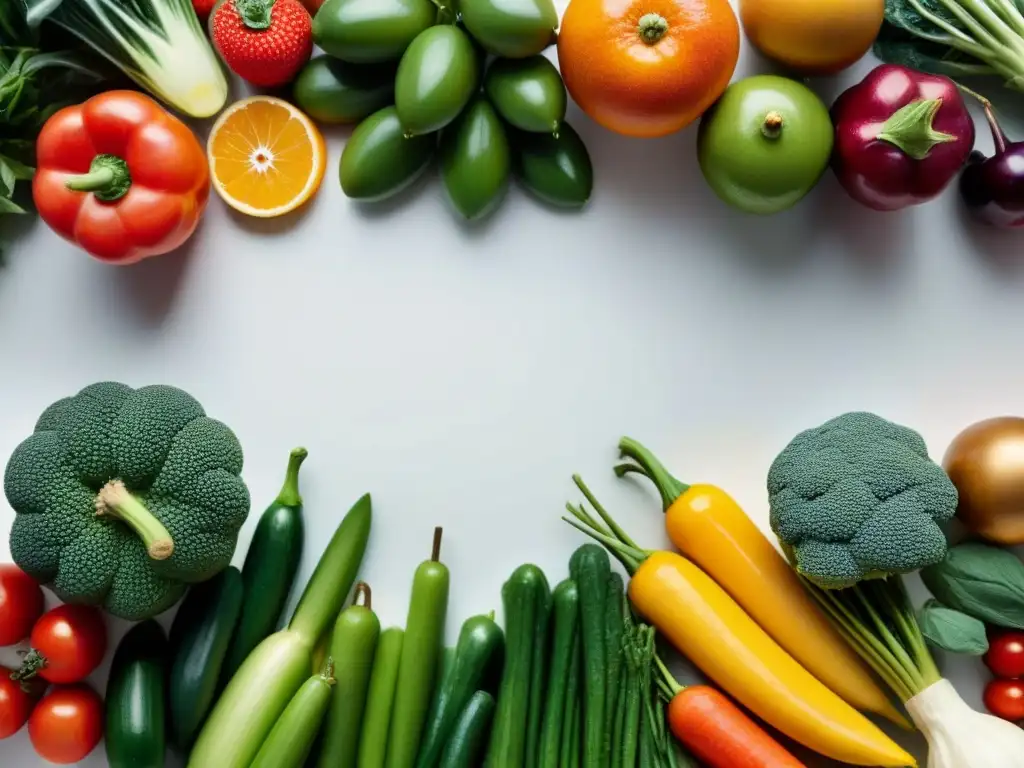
(266, 157)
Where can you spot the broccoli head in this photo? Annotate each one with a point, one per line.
(123, 497)
(859, 498)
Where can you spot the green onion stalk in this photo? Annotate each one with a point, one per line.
(878, 621)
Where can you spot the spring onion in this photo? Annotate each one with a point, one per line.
(158, 43)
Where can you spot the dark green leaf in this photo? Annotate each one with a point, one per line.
(7, 179)
(895, 45)
(982, 581)
(952, 630)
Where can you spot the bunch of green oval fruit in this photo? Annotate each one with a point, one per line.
(470, 88)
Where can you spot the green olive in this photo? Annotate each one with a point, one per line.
(528, 93)
(556, 169)
(475, 160)
(333, 91)
(512, 28)
(379, 160)
(765, 143)
(438, 74)
(370, 31)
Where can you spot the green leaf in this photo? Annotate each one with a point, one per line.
(982, 581)
(952, 630)
(7, 180)
(896, 45)
(9, 206)
(21, 171)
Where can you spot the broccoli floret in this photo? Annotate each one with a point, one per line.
(859, 498)
(123, 497)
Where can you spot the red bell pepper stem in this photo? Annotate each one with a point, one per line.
(108, 178)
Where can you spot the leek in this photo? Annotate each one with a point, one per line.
(159, 44)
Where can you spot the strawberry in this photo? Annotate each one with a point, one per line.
(265, 42)
(203, 8)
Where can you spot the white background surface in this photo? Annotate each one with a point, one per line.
(463, 374)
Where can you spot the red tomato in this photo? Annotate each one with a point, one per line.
(67, 724)
(68, 642)
(1005, 655)
(15, 704)
(21, 603)
(1005, 699)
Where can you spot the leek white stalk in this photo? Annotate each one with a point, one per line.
(160, 44)
(878, 622)
(960, 737)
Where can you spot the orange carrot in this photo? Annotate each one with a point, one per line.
(717, 732)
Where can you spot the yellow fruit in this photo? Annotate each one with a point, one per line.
(813, 37)
(266, 157)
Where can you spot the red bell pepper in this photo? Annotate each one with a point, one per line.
(121, 177)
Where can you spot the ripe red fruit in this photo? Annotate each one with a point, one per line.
(1005, 699)
(203, 8)
(265, 42)
(1005, 657)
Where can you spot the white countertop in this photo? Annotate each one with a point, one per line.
(463, 374)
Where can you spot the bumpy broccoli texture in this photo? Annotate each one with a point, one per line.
(125, 496)
(858, 498)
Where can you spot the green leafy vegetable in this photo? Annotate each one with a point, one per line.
(159, 44)
(982, 581)
(951, 630)
(956, 38)
(37, 78)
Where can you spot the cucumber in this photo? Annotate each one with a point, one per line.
(353, 644)
(199, 640)
(538, 676)
(614, 658)
(373, 741)
(524, 597)
(590, 568)
(134, 701)
(421, 649)
(480, 643)
(566, 604)
(469, 734)
(269, 569)
(291, 738)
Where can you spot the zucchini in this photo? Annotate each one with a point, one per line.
(291, 738)
(566, 613)
(469, 734)
(524, 597)
(421, 649)
(199, 640)
(353, 644)
(373, 741)
(269, 677)
(613, 650)
(269, 569)
(479, 645)
(134, 701)
(590, 567)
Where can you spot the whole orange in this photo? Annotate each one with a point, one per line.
(813, 37)
(647, 68)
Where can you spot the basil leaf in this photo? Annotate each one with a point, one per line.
(9, 206)
(982, 581)
(952, 630)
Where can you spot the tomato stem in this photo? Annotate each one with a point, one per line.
(108, 178)
(33, 662)
(652, 28)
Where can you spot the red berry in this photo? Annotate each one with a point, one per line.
(203, 8)
(265, 42)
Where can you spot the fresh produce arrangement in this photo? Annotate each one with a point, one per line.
(471, 88)
(806, 638)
